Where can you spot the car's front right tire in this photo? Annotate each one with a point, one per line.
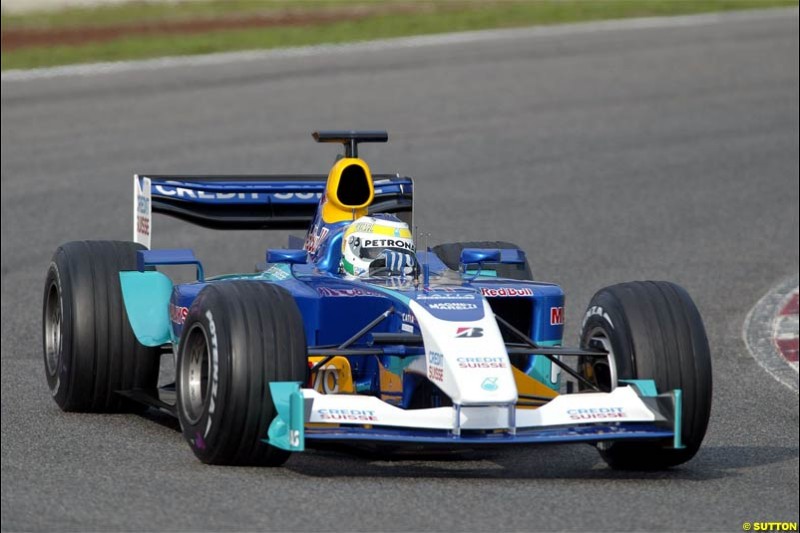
(654, 331)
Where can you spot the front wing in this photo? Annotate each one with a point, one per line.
(633, 410)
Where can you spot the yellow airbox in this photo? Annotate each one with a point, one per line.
(349, 191)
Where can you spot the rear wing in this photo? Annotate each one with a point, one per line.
(250, 202)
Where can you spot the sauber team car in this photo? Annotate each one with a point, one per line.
(459, 348)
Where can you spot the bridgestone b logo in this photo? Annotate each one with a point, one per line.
(466, 333)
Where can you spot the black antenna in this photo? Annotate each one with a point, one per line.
(350, 139)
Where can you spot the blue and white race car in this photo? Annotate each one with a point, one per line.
(354, 334)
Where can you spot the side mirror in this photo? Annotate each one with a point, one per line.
(292, 257)
(471, 256)
(182, 256)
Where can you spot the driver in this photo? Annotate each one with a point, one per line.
(379, 245)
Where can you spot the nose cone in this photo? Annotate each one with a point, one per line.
(466, 357)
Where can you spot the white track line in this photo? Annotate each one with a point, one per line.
(758, 334)
(94, 69)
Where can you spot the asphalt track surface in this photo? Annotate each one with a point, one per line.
(662, 153)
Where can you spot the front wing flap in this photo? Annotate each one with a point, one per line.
(631, 411)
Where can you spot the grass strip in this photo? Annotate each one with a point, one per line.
(390, 19)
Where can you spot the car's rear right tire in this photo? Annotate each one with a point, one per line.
(450, 254)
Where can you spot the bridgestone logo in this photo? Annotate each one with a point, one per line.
(598, 311)
(212, 332)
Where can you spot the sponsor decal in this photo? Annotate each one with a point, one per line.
(360, 227)
(482, 362)
(294, 438)
(408, 318)
(314, 240)
(356, 415)
(596, 413)
(277, 273)
(452, 306)
(142, 211)
(174, 189)
(489, 384)
(469, 333)
(178, 314)
(143, 225)
(143, 205)
(143, 215)
(326, 380)
(435, 368)
(436, 373)
(388, 243)
(297, 195)
(556, 316)
(346, 292)
(506, 292)
(599, 311)
(446, 296)
(444, 289)
(212, 405)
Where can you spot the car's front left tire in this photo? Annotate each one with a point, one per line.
(238, 337)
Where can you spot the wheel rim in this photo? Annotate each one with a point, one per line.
(605, 371)
(194, 374)
(52, 330)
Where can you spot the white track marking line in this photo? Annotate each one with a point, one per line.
(759, 331)
(96, 69)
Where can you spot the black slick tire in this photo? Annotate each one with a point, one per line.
(238, 337)
(90, 351)
(655, 332)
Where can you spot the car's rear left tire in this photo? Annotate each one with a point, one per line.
(654, 331)
(238, 337)
(90, 351)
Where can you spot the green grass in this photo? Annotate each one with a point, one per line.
(425, 18)
(137, 12)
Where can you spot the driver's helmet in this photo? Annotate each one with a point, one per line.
(378, 246)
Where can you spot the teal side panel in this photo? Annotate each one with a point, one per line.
(542, 368)
(287, 431)
(146, 296)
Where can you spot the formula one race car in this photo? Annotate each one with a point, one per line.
(355, 335)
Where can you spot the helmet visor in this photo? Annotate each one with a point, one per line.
(369, 254)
